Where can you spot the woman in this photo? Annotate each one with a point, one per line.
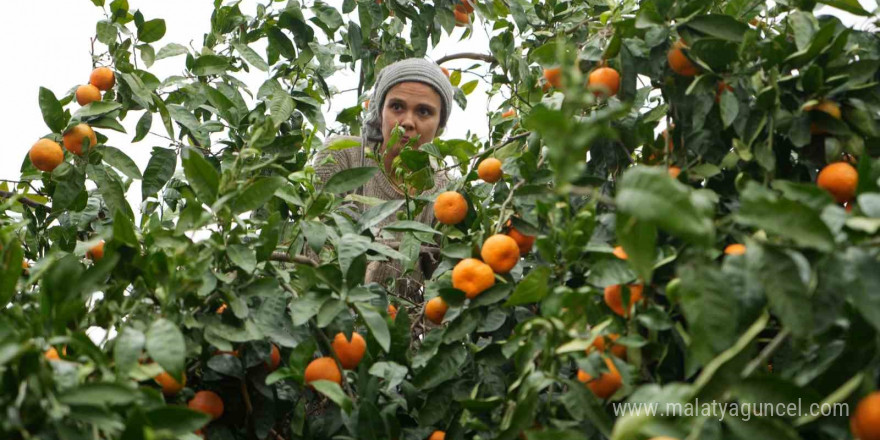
(416, 95)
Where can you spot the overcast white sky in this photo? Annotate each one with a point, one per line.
(55, 54)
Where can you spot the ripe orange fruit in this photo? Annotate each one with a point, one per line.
(722, 86)
(170, 386)
(674, 171)
(865, 421)
(620, 253)
(323, 368)
(221, 309)
(461, 16)
(524, 242)
(490, 170)
(606, 80)
(46, 154)
(840, 179)
(679, 63)
(207, 402)
(599, 344)
(827, 106)
(436, 309)
(509, 114)
(351, 352)
(73, 139)
(52, 354)
(96, 252)
(466, 4)
(437, 435)
(553, 76)
(473, 276)
(450, 208)
(102, 78)
(607, 384)
(614, 298)
(87, 94)
(500, 252)
(735, 249)
(392, 311)
(274, 359)
(445, 71)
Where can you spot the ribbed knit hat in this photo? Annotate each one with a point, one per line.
(410, 69)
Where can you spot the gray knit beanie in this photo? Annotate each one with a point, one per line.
(410, 69)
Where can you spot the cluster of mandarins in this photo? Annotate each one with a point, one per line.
(499, 253)
(463, 11)
(46, 154)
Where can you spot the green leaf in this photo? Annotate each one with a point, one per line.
(639, 241)
(376, 323)
(148, 54)
(719, 26)
(210, 65)
(106, 32)
(333, 392)
(143, 126)
(160, 168)
(410, 226)
(281, 108)
(784, 288)
(708, 304)
(127, 348)
(729, 107)
(343, 144)
(257, 194)
(349, 179)
(99, 394)
(376, 214)
(763, 209)
(469, 86)
(165, 344)
(649, 194)
(251, 56)
(123, 231)
(177, 419)
(97, 108)
(443, 366)
(201, 175)
(119, 160)
(111, 190)
(242, 256)
(851, 6)
(152, 31)
(328, 15)
(392, 372)
(108, 123)
(171, 50)
(761, 427)
(12, 256)
(533, 288)
(53, 113)
(864, 283)
(463, 325)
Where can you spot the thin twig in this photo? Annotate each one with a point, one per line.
(469, 56)
(765, 353)
(507, 201)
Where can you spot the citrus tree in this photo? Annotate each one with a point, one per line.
(677, 202)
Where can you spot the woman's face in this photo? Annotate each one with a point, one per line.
(416, 108)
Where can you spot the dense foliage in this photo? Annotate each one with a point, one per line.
(747, 116)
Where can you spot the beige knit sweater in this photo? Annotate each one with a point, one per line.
(380, 187)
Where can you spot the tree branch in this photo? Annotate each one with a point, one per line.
(22, 200)
(469, 56)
